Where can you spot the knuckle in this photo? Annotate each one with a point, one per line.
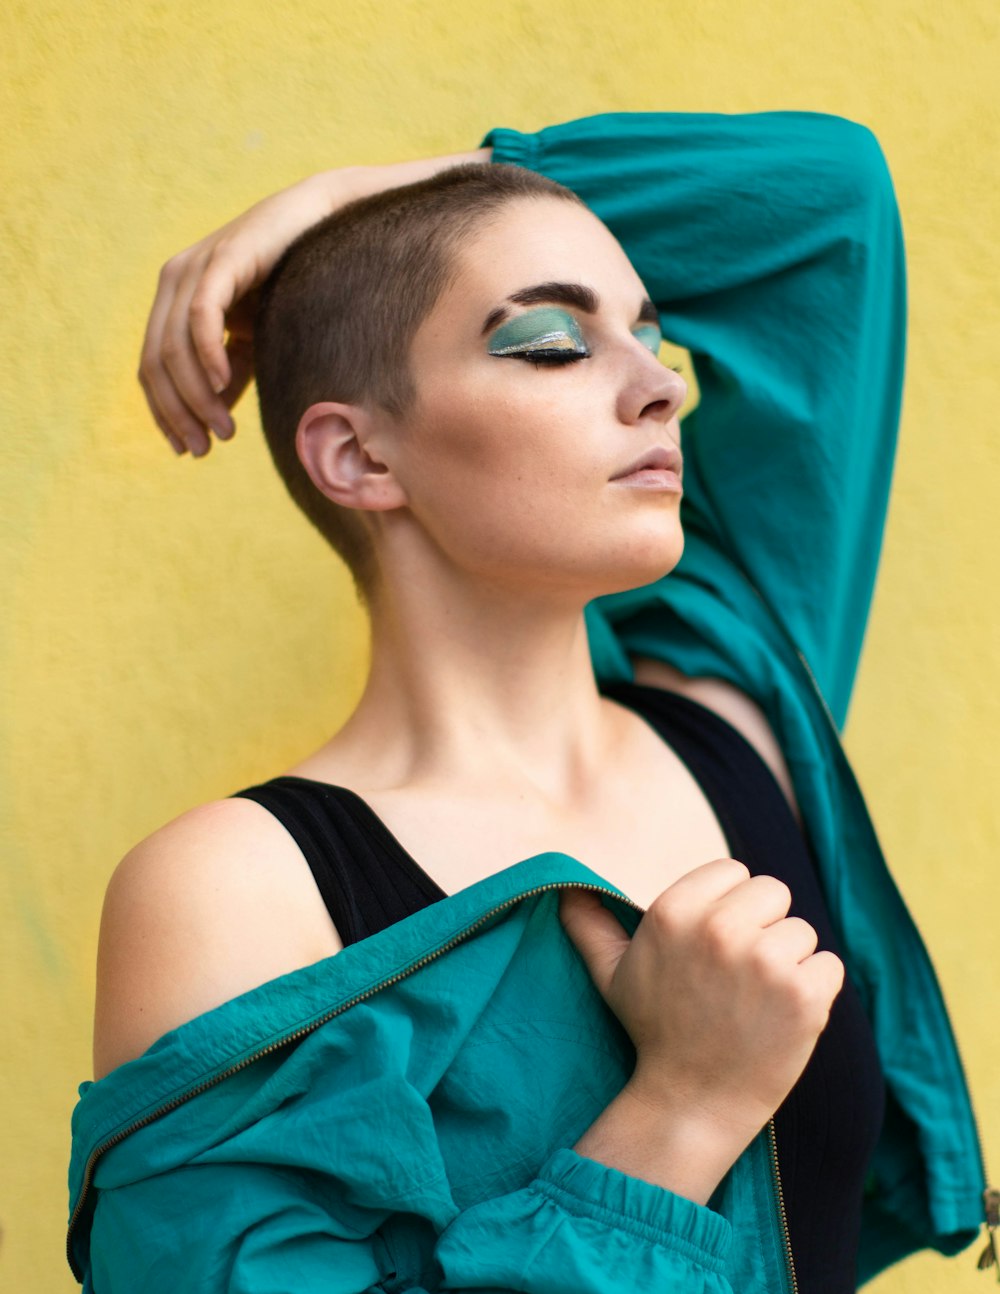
(778, 890)
(171, 350)
(837, 970)
(814, 993)
(720, 932)
(170, 270)
(810, 937)
(666, 913)
(147, 364)
(769, 962)
(221, 251)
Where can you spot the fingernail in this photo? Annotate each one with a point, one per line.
(223, 431)
(218, 383)
(175, 445)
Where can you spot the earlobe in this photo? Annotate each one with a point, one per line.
(334, 445)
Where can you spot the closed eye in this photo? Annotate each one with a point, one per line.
(550, 357)
(547, 331)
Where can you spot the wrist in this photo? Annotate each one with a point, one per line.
(719, 1118)
(341, 185)
(674, 1148)
(695, 1128)
(348, 182)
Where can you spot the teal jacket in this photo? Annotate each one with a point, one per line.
(401, 1117)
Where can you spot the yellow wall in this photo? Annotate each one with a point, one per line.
(171, 630)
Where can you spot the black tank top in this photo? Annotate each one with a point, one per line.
(827, 1127)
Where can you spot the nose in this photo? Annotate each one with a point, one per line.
(650, 391)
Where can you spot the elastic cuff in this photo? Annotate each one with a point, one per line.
(632, 1204)
(512, 147)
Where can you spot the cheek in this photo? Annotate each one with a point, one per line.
(487, 439)
(488, 471)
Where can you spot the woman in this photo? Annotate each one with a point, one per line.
(470, 1093)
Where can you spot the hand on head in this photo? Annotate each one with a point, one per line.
(191, 372)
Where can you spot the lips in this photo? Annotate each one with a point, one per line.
(662, 458)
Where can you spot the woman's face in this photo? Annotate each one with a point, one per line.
(509, 456)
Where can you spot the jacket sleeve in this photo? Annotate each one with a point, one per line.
(581, 1227)
(578, 1227)
(772, 247)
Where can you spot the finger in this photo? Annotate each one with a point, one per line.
(176, 444)
(708, 882)
(761, 900)
(213, 297)
(149, 354)
(596, 933)
(790, 940)
(170, 411)
(183, 366)
(824, 971)
(240, 352)
(175, 419)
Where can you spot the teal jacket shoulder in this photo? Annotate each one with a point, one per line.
(395, 1118)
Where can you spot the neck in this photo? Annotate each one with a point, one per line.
(478, 688)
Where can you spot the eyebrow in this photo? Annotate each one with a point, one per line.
(567, 294)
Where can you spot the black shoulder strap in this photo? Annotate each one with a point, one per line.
(366, 878)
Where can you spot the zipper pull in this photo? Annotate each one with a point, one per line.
(991, 1207)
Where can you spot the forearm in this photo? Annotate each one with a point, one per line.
(347, 183)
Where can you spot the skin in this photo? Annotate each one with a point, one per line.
(496, 519)
(197, 351)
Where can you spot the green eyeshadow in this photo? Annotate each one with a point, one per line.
(650, 336)
(544, 329)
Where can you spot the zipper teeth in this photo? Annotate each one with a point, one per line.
(776, 1174)
(88, 1172)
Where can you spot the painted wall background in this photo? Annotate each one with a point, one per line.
(172, 630)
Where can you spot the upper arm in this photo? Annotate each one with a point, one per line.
(731, 704)
(211, 905)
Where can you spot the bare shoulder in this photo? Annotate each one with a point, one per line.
(731, 704)
(214, 903)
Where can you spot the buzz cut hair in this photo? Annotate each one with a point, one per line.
(339, 311)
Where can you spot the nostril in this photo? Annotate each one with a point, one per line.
(657, 408)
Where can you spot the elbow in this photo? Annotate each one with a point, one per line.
(852, 162)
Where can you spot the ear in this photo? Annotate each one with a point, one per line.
(335, 444)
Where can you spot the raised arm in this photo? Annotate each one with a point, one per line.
(197, 352)
(771, 243)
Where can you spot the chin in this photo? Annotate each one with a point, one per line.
(645, 563)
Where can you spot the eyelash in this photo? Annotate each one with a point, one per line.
(544, 358)
(554, 358)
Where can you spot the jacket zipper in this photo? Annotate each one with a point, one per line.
(991, 1197)
(991, 1207)
(780, 1197)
